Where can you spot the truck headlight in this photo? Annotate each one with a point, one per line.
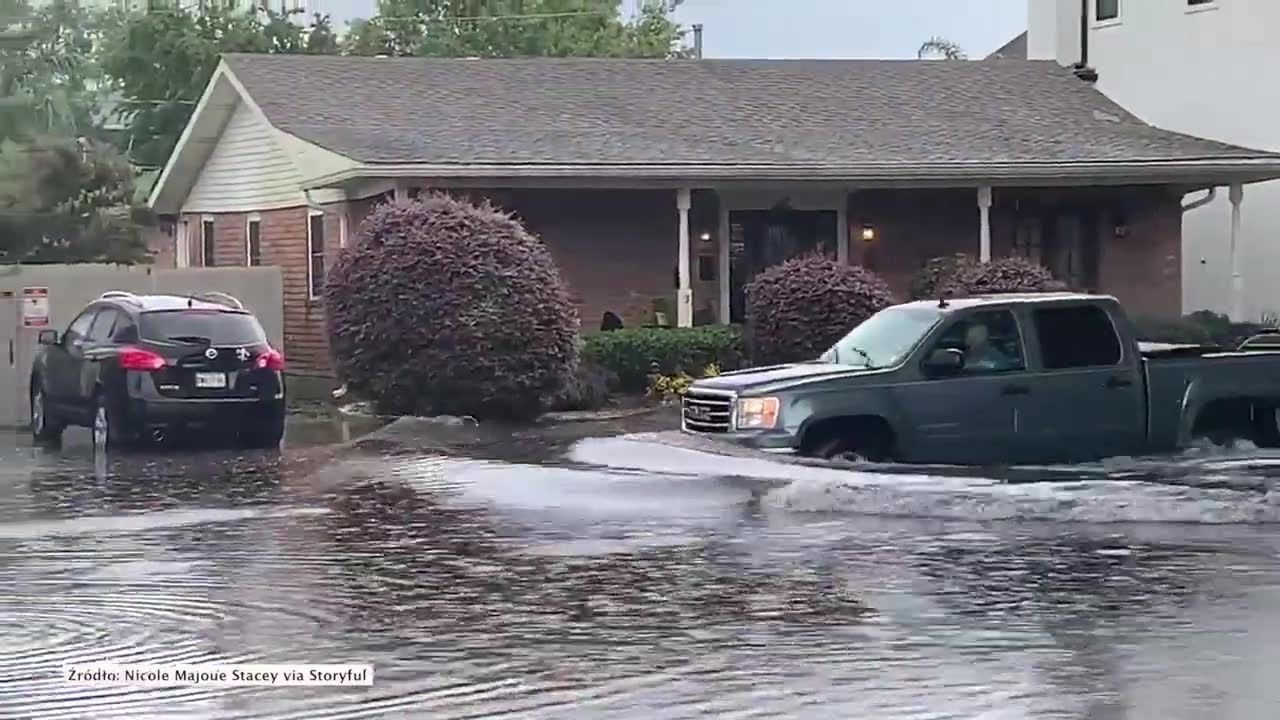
(757, 413)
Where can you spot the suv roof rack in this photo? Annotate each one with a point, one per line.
(120, 295)
(219, 299)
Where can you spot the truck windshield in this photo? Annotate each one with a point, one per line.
(885, 338)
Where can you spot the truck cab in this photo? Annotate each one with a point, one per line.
(981, 380)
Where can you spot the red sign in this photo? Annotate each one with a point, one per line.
(35, 307)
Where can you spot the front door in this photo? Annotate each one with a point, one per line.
(972, 417)
(1089, 398)
(760, 239)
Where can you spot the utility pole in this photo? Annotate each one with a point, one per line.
(697, 40)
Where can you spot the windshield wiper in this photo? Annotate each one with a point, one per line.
(191, 339)
(865, 356)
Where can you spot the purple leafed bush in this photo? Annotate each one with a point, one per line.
(1002, 275)
(443, 307)
(802, 307)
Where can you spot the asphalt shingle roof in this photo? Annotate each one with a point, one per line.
(805, 113)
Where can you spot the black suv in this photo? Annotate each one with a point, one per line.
(136, 368)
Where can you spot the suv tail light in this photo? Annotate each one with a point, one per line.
(272, 359)
(139, 359)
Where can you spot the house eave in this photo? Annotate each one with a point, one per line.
(1199, 172)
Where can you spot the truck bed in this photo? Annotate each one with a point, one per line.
(1180, 378)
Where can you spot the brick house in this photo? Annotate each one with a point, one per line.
(678, 180)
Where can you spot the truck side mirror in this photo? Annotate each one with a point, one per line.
(48, 337)
(944, 361)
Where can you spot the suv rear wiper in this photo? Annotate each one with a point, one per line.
(191, 339)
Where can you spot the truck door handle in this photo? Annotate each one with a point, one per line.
(1015, 390)
(1118, 382)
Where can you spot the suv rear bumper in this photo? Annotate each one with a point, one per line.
(146, 409)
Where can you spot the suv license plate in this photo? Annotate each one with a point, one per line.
(211, 380)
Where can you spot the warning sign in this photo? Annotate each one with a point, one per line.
(35, 307)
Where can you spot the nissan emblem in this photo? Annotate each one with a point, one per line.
(211, 353)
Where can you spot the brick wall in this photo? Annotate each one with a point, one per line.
(1143, 267)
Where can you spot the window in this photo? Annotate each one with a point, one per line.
(182, 254)
(1104, 10)
(989, 340)
(102, 326)
(126, 331)
(80, 326)
(315, 254)
(884, 339)
(1077, 336)
(219, 328)
(253, 242)
(1193, 3)
(206, 242)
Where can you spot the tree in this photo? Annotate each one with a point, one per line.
(162, 61)
(68, 200)
(49, 78)
(940, 48)
(502, 28)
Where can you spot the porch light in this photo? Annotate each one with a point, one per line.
(705, 237)
(868, 233)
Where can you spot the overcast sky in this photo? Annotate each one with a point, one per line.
(820, 28)
(850, 28)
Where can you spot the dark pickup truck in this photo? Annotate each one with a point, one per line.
(1044, 377)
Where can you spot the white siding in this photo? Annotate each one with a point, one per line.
(246, 171)
(1206, 71)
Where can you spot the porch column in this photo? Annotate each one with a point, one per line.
(684, 296)
(723, 261)
(1237, 281)
(842, 232)
(984, 223)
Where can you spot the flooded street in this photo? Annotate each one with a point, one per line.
(626, 577)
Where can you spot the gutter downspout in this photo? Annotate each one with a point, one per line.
(1082, 69)
(1209, 195)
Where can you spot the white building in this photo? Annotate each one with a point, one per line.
(1203, 67)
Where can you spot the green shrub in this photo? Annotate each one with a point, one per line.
(801, 307)
(632, 353)
(587, 389)
(443, 307)
(936, 273)
(1202, 327)
(1001, 275)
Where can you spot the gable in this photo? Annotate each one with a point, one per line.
(247, 170)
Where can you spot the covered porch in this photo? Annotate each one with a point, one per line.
(688, 253)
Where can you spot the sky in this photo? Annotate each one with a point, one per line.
(850, 28)
(820, 28)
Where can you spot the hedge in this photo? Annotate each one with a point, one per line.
(631, 354)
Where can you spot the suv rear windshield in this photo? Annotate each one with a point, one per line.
(202, 327)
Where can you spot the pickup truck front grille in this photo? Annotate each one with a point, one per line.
(706, 411)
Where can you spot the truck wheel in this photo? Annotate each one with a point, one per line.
(46, 429)
(868, 449)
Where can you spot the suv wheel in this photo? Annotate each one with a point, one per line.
(107, 433)
(45, 429)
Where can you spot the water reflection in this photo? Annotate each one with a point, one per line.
(634, 581)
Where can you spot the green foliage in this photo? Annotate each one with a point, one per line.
(50, 81)
(501, 28)
(940, 48)
(63, 200)
(670, 388)
(162, 61)
(443, 307)
(587, 389)
(1202, 327)
(633, 353)
(801, 307)
(936, 273)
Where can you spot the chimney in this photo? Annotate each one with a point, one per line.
(697, 40)
(1082, 69)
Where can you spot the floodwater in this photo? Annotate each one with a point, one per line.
(547, 575)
